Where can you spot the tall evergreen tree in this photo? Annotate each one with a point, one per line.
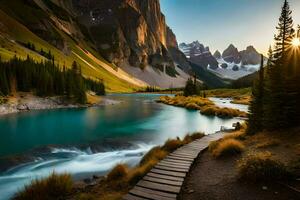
(256, 117)
(275, 113)
(285, 34)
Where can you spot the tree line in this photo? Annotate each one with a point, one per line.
(46, 79)
(276, 91)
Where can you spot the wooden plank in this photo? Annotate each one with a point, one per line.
(196, 151)
(170, 164)
(163, 194)
(132, 197)
(188, 152)
(149, 196)
(162, 181)
(180, 158)
(178, 161)
(174, 165)
(159, 187)
(183, 155)
(172, 178)
(169, 173)
(173, 169)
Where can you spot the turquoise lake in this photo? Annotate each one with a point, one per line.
(91, 141)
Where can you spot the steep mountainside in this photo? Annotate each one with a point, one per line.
(118, 41)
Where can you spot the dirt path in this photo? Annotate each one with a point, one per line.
(211, 179)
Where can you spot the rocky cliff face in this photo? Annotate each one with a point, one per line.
(199, 54)
(130, 32)
(231, 54)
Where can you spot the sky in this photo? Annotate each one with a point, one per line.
(218, 23)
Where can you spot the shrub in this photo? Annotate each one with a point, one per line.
(195, 136)
(53, 187)
(261, 167)
(192, 106)
(226, 147)
(172, 145)
(119, 172)
(208, 110)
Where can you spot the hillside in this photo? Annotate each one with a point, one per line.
(100, 36)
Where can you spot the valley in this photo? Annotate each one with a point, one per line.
(149, 100)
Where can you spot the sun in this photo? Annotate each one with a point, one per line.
(296, 42)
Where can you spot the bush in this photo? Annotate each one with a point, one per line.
(261, 167)
(117, 173)
(172, 145)
(226, 147)
(53, 187)
(192, 106)
(222, 112)
(195, 136)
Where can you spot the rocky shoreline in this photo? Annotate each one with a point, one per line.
(28, 102)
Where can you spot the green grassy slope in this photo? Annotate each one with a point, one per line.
(13, 33)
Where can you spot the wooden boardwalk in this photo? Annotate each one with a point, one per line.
(164, 181)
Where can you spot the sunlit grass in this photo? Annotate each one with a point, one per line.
(226, 147)
(206, 106)
(53, 187)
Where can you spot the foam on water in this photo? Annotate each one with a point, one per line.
(77, 162)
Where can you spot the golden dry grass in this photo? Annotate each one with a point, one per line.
(226, 93)
(118, 172)
(226, 147)
(193, 102)
(261, 167)
(245, 100)
(53, 187)
(206, 106)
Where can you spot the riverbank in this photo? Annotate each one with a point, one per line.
(239, 96)
(113, 186)
(204, 105)
(266, 167)
(24, 102)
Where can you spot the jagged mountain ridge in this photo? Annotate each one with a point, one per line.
(129, 36)
(231, 63)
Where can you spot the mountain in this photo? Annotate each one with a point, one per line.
(231, 64)
(231, 55)
(126, 43)
(199, 54)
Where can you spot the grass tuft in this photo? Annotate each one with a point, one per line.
(172, 145)
(226, 147)
(119, 172)
(53, 187)
(261, 167)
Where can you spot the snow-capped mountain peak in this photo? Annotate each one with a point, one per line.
(231, 64)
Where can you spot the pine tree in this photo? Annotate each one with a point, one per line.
(278, 71)
(256, 117)
(285, 34)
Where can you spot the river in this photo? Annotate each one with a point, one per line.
(91, 141)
